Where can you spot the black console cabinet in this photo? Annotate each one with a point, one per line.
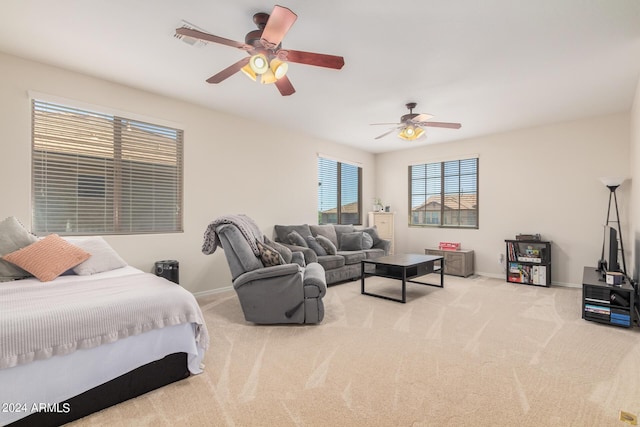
(610, 304)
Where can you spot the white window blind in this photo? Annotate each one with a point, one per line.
(444, 194)
(339, 192)
(96, 173)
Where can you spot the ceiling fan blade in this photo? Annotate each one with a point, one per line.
(317, 59)
(284, 86)
(280, 20)
(386, 133)
(229, 71)
(387, 124)
(422, 118)
(195, 34)
(442, 125)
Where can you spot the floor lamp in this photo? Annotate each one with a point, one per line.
(612, 184)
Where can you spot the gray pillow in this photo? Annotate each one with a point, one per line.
(352, 241)
(13, 236)
(282, 231)
(367, 241)
(326, 244)
(373, 232)
(284, 251)
(317, 247)
(326, 230)
(296, 239)
(103, 257)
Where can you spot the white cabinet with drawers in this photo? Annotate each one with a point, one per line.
(384, 225)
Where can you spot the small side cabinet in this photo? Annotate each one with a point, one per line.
(456, 263)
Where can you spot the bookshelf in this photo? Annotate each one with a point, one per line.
(529, 262)
(609, 304)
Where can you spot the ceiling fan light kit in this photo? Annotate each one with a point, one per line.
(264, 45)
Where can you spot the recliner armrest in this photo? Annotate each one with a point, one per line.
(267, 272)
(314, 281)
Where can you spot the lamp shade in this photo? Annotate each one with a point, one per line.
(410, 133)
(279, 68)
(612, 181)
(268, 77)
(249, 72)
(259, 63)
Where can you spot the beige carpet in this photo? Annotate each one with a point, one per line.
(479, 352)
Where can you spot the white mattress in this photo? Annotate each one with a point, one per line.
(58, 378)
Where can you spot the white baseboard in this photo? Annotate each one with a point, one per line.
(502, 276)
(212, 292)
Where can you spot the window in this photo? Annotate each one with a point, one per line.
(96, 173)
(444, 194)
(339, 192)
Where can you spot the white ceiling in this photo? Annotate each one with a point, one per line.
(492, 65)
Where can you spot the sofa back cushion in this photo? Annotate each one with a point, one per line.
(340, 230)
(326, 230)
(355, 241)
(282, 231)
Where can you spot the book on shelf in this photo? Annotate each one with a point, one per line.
(529, 259)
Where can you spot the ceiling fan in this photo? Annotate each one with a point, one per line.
(411, 124)
(266, 58)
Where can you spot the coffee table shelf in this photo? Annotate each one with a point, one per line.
(403, 267)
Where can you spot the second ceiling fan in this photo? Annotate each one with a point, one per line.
(411, 124)
(267, 60)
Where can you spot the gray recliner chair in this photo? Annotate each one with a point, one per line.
(287, 293)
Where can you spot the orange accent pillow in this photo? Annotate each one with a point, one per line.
(48, 258)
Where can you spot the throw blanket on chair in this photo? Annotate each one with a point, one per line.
(246, 225)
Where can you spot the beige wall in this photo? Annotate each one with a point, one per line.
(543, 180)
(268, 173)
(635, 186)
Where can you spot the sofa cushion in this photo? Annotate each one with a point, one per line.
(355, 241)
(340, 230)
(296, 239)
(326, 230)
(352, 257)
(315, 245)
(282, 231)
(331, 262)
(328, 245)
(373, 232)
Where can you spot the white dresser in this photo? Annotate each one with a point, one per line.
(384, 224)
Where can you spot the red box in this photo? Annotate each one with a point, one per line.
(449, 246)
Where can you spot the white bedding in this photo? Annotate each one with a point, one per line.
(57, 378)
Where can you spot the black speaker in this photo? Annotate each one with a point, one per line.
(169, 269)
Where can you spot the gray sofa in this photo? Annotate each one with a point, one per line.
(352, 245)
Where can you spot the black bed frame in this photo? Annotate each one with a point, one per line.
(141, 380)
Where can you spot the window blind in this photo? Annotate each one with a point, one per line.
(339, 192)
(96, 173)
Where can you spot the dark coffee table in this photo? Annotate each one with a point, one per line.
(403, 267)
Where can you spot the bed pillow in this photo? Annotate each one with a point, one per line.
(48, 258)
(103, 257)
(13, 236)
(327, 244)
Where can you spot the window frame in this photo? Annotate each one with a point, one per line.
(443, 193)
(149, 169)
(339, 211)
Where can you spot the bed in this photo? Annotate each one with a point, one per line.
(78, 344)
